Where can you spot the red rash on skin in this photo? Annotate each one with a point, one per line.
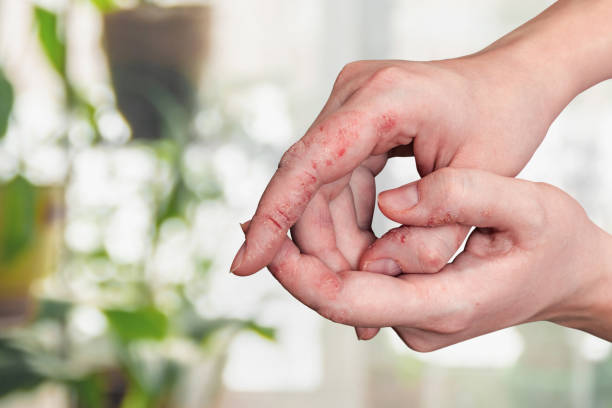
(307, 187)
(314, 165)
(307, 196)
(273, 221)
(439, 220)
(328, 162)
(341, 152)
(284, 216)
(386, 124)
(329, 285)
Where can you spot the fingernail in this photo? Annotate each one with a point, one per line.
(385, 266)
(238, 259)
(400, 199)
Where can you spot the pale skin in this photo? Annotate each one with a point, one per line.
(488, 111)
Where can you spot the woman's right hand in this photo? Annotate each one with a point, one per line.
(534, 255)
(489, 110)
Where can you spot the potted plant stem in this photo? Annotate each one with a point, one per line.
(156, 56)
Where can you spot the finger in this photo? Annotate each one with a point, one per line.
(352, 76)
(487, 296)
(350, 239)
(410, 249)
(363, 191)
(325, 154)
(465, 196)
(466, 295)
(354, 298)
(315, 235)
(363, 333)
(366, 333)
(363, 188)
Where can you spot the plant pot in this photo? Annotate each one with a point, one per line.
(156, 55)
(31, 232)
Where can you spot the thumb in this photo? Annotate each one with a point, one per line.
(464, 196)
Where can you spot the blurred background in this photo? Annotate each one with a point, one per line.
(134, 136)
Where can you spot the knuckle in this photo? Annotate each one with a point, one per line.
(539, 208)
(444, 189)
(452, 181)
(292, 155)
(386, 76)
(431, 259)
(347, 72)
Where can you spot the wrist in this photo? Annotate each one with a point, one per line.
(590, 307)
(555, 56)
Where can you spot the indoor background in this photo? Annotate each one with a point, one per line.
(135, 136)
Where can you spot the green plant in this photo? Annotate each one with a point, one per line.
(106, 6)
(26, 360)
(52, 38)
(128, 364)
(6, 102)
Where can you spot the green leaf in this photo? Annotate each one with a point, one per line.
(15, 372)
(268, 333)
(53, 43)
(17, 218)
(172, 206)
(139, 324)
(89, 392)
(7, 97)
(135, 398)
(206, 329)
(50, 309)
(105, 6)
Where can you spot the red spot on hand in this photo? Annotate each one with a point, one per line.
(314, 165)
(280, 218)
(273, 221)
(328, 162)
(341, 152)
(329, 285)
(308, 185)
(386, 124)
(440, 219)
(283, 215)
(403, 239)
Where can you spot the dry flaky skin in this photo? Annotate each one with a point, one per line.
(534, 256)
(489, 111)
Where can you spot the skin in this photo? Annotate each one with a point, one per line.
(489, 110)
(534, 255)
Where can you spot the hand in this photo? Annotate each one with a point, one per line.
(379, 109)
(489, 110)
(534, 256)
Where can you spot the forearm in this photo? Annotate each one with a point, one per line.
(555, 56)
